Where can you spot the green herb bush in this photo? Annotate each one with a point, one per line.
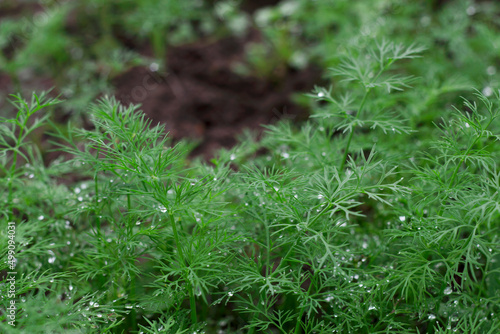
(350, 223)
(380, 214)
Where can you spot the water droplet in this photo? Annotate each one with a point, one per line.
(431, 316)
(52, 259)
(232, 157)
(487, 91)
(40, 217)
(321, 94)
(425, 20)
(402, 218)
(491, 70)
(153, 67)
(471, 10)
(371, 307)
(448, 290)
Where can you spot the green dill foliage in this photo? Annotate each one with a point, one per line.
(366, 104)
(154, 223)
(45, 241)
(311, 260)
(446, 241)
(379, 214)
(350, 222)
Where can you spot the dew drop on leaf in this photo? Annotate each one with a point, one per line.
(52, 259)
(471, 10)
(487, 91)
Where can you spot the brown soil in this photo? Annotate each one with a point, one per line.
(253, 5)
(202, 98)
(5, 88)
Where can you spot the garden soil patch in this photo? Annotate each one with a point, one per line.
(202, 98)
(5, 88)
(252, 5)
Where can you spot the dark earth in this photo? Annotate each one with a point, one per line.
(202, 98)
(199, 95)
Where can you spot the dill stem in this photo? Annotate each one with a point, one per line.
(297, 326)
(96, 190)
(192, 300)
(455, 172)
(133, 316)
(360, 110)
(157, 40)
(14, 162)
(252, 329)
(268, 252)
(192, 303)
(346, 152)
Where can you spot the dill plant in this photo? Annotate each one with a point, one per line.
(447, 248)
(302, 272)
(350, 222)
(45, 240)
